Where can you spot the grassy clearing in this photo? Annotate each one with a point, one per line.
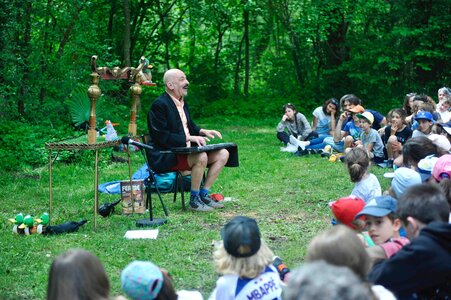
(287, 195)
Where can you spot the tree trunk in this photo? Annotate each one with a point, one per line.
(236, 81)
(246, 51)
(25, 50)
(44, 54)
(111, 19)
(68, 31)
(127, 53)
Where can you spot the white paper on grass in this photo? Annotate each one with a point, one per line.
(141, 234)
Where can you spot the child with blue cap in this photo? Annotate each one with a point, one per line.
(383, 226)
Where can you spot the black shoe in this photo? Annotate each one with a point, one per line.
(390, 163)
(325, 154)
(301, 152)
(210, 201)
(315, 151)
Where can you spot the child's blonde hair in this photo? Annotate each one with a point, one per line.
(357, 161)
(249, 267)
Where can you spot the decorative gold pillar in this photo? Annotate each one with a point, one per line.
(94, 94)
(135, 92)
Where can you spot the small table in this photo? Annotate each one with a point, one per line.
(79, 143)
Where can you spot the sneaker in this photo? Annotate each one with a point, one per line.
(296, 142)
(195, 204)
(289, 148)
(206, 199)
(390, 164)
(281, 267)
(314, 151)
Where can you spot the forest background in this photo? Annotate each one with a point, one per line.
(244, 59)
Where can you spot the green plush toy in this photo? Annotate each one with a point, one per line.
(27, 224)
(42, 221)
(17, 221)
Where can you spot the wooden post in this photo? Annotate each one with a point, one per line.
(94, 94)
(135, 92)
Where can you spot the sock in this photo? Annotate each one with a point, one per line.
(194, 193)
(204, 192)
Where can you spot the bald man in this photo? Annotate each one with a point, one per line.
(170, 125)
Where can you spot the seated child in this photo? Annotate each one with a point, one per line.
(395, 135)
(347, 132)
(404, 178)
(344, 210)
(293, 128)
(425, 121)
(366, 184)
(369, 138)
(144, 280)
(383, 226)
(245, 262)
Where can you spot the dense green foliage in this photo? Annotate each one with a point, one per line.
(240, 55)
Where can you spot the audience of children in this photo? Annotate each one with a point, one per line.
(338, 260)
(422, 268)
(245, 262)
(367, 185)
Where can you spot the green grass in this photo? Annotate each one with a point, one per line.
(287, 195)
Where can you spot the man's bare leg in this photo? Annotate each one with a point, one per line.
(198, 164)
(216, 162)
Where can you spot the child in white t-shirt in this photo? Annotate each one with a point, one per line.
(245, 263)
(366, 184)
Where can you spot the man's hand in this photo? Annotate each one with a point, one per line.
(284, 118)
(211, 133)
(200, 140)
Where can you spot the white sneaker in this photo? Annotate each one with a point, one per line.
(289, 148)
(296, 142)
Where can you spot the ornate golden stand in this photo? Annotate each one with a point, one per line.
(133, 74)
(74, 144)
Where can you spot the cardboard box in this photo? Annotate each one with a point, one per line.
(138, 197)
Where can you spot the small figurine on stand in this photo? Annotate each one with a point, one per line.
(111, 134)
(146, 75)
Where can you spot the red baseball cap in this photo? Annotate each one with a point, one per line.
(345, 209)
